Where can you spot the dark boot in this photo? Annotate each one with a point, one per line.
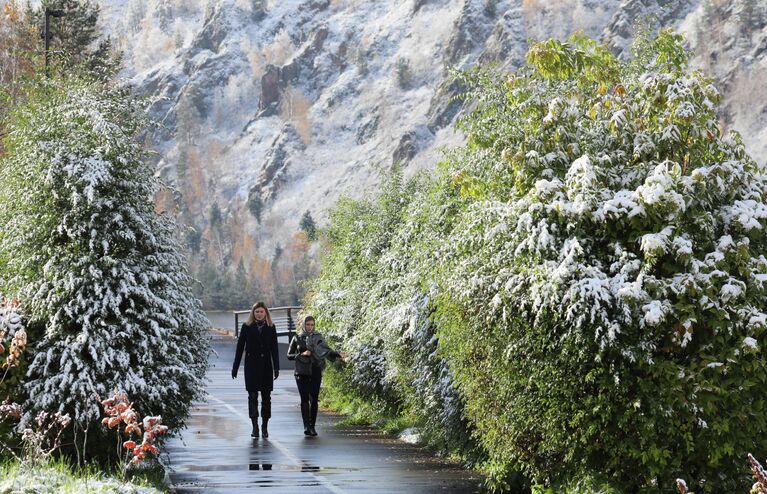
(264, 430)
(254, 432)
(313, 415)
(305, 414)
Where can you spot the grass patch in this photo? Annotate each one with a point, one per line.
(358, 411)
(59, 477)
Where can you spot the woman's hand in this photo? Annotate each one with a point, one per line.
(344, 355)
(307, 353)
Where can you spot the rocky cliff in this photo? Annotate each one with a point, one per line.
(273, 108)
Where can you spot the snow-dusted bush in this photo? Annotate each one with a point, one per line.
(611, 272)
(370, 295)
(96, 266)
(594, 265)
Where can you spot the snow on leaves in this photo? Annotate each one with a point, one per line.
(92, 259)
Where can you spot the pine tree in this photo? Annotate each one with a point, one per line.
(92, 260)
(215, 215)
(75, 37)
(258, 9)
(194, 240)
(242, 287)
(255, 205)
(308, 226)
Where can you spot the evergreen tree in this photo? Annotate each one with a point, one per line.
(194, 240)
(220, 291)
(278, 250)
(242, 291)
(308, 226)
(258, 9)
(215, 215)
(255, 205)
(93, 262)
(75, 37)
(207, 275)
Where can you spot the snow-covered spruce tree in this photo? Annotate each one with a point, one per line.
(94, 263)
(605, 309)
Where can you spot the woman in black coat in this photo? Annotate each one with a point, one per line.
(310, 351)
(258, 338)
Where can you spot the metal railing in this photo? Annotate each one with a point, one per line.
(284, 319)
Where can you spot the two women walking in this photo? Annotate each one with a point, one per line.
(258, 339)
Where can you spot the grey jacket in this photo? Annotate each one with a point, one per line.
(316, 344)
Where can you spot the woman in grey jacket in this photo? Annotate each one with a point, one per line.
(309, 350)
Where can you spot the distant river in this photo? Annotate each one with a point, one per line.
(221, 319)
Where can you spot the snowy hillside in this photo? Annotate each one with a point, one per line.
(273, 108)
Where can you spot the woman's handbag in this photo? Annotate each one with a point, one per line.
(303, 366)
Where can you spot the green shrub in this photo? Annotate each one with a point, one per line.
(591, 269)
(610, 271)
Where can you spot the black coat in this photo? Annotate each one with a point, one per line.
(261, 357)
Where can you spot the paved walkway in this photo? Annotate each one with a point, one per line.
(215, 454)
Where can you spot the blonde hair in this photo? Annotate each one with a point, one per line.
(307, 317)
(252, 315)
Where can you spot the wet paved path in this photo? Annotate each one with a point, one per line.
(215, 454)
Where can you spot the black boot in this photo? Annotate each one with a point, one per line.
(264, 430)
(305, 414)
(313, 416)
(254, 432)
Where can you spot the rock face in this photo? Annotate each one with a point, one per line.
(298, 102)
(274, 172)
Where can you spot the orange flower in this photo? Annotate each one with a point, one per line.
(132, 428)
(129, 444)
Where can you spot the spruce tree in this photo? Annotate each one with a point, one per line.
(255, 205)
(215, 215)
(308, 226)
(92, 260)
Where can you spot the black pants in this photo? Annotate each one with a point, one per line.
(309, 389)
(266, 404)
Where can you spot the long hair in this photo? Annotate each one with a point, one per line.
(252, 315)
(303, 323)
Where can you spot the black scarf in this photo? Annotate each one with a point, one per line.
(260, 325)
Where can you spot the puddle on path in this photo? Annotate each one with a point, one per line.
(208, 420)
(234, 467)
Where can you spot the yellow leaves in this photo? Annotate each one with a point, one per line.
(619, 91)
(594, 111)
(469, 186)
(458, 178)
